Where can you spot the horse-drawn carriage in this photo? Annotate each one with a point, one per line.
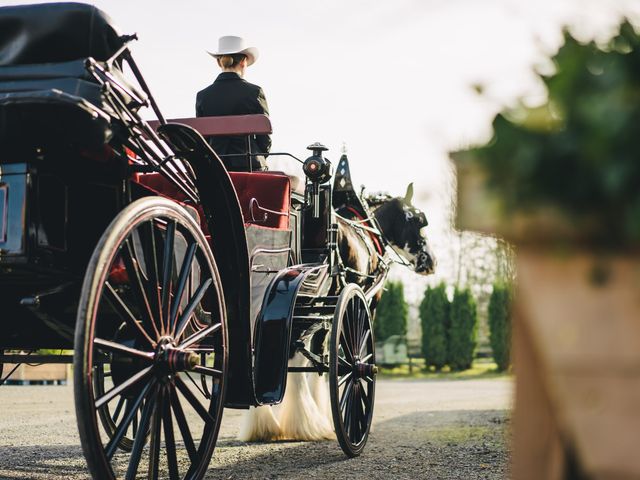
(181, 288)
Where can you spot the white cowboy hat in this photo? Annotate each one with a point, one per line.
(230, 45)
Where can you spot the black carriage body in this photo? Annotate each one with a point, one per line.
(60, 182)
(54, 209)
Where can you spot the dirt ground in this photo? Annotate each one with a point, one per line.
(427, 429)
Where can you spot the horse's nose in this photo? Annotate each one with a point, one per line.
(426, 263)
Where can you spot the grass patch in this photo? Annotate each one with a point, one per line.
(458, 434)
(481, 368)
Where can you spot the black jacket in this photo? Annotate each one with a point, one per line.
(231, 95)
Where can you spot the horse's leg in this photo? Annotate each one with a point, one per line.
(300, 418)
(259, 425)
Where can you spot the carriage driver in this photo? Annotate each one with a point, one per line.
(230, 94)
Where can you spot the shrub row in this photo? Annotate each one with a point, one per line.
(449, 329)
(391, 313)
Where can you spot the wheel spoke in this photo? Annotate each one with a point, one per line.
(196, 337)
(354, 431)
(118, 409)
(169, 439)
(364, 342)
(123, 349)
(356, 325)
(154, 448)
(211, 372)
(151, 262)
(122, 387)
(198, 387)
(191, 306)
(181, 420)
(357, 418)
(121, 308)
(110, 449)
(348, 413)
(353, 327)
(195, 403)
(167, 271)
(365, 397)
(361, 327)
(134, 425)
(138, 444)
(345, 345)
(347, 326)
(366, 358)
(343, 366)
(344, 379)
(137, 284)
(346, 394)
(182, 282)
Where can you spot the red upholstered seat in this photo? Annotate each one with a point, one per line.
(264, 196)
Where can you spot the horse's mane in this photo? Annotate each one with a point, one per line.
(377, 199)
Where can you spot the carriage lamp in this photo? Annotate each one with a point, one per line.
(316, 167)
(318, 170)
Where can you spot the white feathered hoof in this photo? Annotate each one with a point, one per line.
(260, 425)
(300, 417)
(319, 386)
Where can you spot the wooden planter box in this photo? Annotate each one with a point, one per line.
(576, 342)
(577, 362)
(50, 372)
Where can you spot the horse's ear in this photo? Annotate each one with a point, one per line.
(409, 195)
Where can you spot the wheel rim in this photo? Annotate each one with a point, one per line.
(154, 349)
(352, 371)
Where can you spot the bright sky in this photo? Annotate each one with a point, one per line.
(390, 79)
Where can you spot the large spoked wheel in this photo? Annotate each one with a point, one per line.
(151, 347)
(352, 370)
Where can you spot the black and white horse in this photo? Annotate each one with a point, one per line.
(305, 413)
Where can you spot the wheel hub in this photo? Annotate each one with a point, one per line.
(361, 370)
(170, 359)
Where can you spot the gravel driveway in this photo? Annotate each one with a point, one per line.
(433, 429)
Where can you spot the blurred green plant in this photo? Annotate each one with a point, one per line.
(500, 325)
(577, 153)
(391, 313)
(434, 318)
(463, 327)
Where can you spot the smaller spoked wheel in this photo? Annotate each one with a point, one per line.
(352, 370)
(151, 347)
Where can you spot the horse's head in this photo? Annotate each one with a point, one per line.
(402, 225)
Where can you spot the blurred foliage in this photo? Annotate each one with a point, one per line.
(579, 151)
(500, 324)
(463, 328)
(434, 318)
(391, 313)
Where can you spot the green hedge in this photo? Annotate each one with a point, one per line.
(434, 318)
(500, 325)
(463, 327)
(391, 313)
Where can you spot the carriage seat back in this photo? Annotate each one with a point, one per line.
(228, 125)
(264, 198)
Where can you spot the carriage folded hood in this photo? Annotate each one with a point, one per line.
(55, 32)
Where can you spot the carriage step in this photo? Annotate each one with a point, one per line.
(314, 309)
(308, 320)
